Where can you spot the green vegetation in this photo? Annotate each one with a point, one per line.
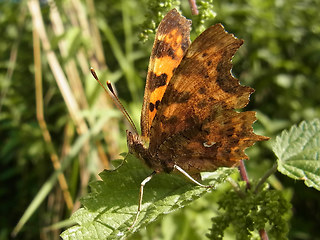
(59, 130)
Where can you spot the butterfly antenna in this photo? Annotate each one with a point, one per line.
(115, 99)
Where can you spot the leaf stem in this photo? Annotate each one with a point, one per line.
(265, 177)
(263, 234)
(193, 7)
(244, 174)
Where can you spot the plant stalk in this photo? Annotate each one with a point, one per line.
(244, 176)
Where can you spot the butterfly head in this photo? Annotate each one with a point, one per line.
(138, 146)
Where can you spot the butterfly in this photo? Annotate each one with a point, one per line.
(189, 120)
(188, 117)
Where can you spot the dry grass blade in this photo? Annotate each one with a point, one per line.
(56, 69)
(42, 122)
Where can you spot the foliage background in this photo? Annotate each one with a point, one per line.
(280, 59)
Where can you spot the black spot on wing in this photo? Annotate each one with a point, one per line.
(156, 81)
(202, 104)
(183, 97)
(151, 107)
(202, 90)
(223, 78)
(230, 131)
(163, 49)
(157, 104)
(185, 44)
(175, 96)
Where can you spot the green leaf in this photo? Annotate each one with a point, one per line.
(109, 210)
(298, 152)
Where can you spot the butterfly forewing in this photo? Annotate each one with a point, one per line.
(171, 42)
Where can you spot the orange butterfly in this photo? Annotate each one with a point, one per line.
(188, 119)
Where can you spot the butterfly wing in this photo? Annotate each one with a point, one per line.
(196, 125)
(171, 42)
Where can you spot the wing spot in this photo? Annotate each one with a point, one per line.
(184, 97)
(157, 81)
(202, 90)
(209, 63)
(157, 104)
(230, 131)
(202, 104)
(151, 107)
(185, 45)
(164, 49)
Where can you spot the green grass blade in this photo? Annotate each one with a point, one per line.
(49, 184)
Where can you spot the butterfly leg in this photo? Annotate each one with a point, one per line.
(147, 179)
(191, 178)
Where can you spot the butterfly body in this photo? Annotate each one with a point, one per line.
(188, 115)
(139, 147)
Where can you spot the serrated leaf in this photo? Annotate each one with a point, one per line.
(298, 152)
(109, 210)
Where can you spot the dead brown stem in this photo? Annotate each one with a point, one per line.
(42, 123)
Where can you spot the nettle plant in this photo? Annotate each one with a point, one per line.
(249, 209)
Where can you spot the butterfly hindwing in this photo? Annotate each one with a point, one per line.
(171, 42)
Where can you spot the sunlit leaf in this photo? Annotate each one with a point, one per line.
(110, 209)
(298, 152)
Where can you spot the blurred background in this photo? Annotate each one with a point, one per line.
(54, 115)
